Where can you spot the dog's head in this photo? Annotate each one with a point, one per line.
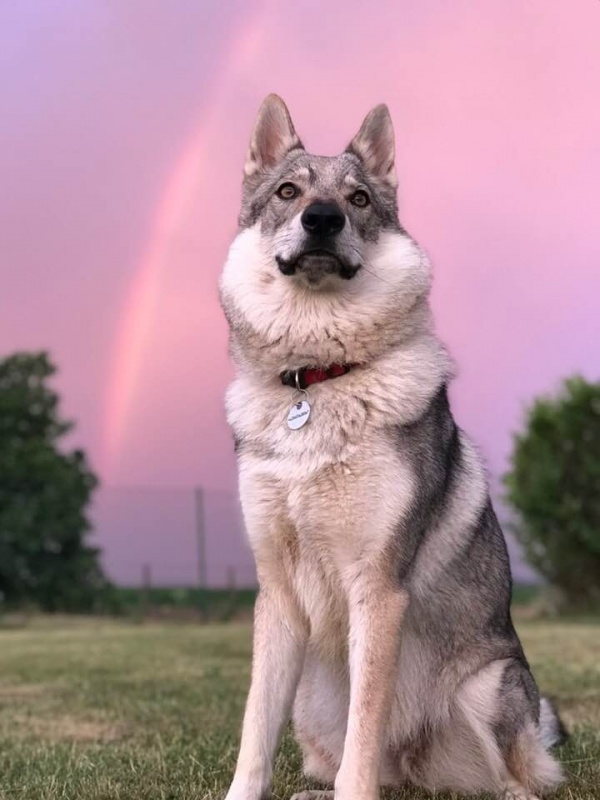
(321, 271)
(316, 214)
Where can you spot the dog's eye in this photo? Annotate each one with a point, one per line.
(287, 191)
(360, 199)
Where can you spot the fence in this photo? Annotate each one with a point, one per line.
(172, 537)
(189, 537)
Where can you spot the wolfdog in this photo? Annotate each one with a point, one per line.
(382, 624)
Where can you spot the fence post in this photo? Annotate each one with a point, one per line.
(145, 599)
(201, 536)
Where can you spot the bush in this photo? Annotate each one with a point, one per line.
(554, 486)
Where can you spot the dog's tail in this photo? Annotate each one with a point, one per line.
(552, 729)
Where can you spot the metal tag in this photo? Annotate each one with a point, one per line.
(299, 414)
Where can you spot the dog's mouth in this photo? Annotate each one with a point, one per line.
(317, 263)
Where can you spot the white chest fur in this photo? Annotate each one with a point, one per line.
(315, 519)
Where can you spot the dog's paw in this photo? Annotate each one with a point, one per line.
(510, 795)
(517, 792)
(312, 795)
(244, 791)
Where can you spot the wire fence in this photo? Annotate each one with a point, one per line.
(191, 537)
(172, 537)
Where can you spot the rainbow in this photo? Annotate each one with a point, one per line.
(172, 216)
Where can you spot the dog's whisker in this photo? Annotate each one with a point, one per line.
(375, 275)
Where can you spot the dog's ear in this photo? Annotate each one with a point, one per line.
(273, 137)
(374, 145)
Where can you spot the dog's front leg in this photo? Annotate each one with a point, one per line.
(278, 653)
(376, 609)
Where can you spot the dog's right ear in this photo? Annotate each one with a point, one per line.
(273, 137)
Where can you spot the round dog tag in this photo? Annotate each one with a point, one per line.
(299, 414)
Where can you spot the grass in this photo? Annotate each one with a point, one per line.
(101, 709)
(219, 605)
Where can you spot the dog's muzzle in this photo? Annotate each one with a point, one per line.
(319, 257)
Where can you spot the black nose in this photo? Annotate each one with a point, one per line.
(323, 219)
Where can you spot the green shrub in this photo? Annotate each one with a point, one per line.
(554, 486)
(46, 560)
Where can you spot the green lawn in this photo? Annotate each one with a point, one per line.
(104, 709)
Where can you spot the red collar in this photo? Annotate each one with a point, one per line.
(306, 376)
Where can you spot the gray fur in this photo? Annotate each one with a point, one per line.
(365, 166)
(319, 177)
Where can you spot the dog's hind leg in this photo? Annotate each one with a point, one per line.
(321, 716)
(530, 767)
(493, 741)
(524, 729)
(313, 795)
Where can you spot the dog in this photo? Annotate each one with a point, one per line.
(382, 624)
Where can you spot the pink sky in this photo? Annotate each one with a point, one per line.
(124, 127)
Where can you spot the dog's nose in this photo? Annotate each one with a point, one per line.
(323, 219)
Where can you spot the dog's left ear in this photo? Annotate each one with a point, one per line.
(273, 137)
(374, 145)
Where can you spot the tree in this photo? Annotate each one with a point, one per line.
(554, 485)
(44, 494)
